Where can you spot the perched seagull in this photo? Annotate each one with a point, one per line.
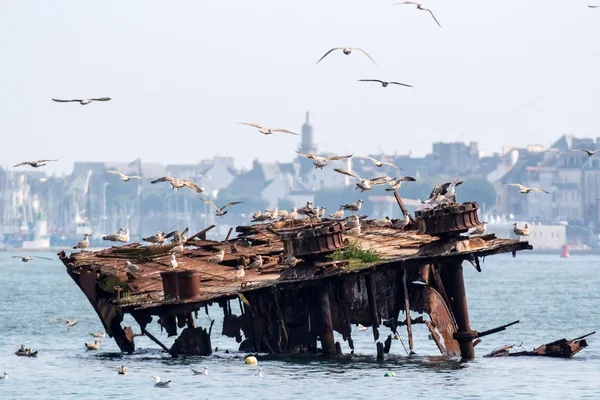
(98, 334)
(83, 102)
(402, 223)
(525, 189)
(84, 243)
(132, 267)
(217, 258)
(180, 183)
(384, 83)
(219, 211)
(364, 184)
(256, 263)
(120, 236)
(448, 189)
(307, 210)
(378, 163)
(321, 212)
(34, 164)
(29, 258)
(177, 249)
(267, 131)
(203, 372)
(240, 273)
(161, 384)
(122, 370)
(291, 261)
(125, 178)
(419, 7)
(347, 51)
(339, 214)
(321, 161)
(521, 232)
(93, 346)
(395, 184)
(68, 322)
(173, 263)
(382, 222)
(158, 238)
(479, 230)
(257, 215)
(588, 152)
(362, 327)
(178, 237)
(283, 214)
(4, 376)
(352, 206)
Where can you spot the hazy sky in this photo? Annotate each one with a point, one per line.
(183, 73)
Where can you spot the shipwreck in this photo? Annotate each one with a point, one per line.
(304, 290)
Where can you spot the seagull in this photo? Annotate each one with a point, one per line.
(292, 214)
(173, 263)
(98, 334)
(283, 214)
(5, 376)
(479, 230)
(178, 237)
(362, 327)
(267, 131)
(448, 189)
(29, 258)
(384, 83)
(203, 372)
(260, 374)
(382, 222)
(593, 6)
(177, 249)
(364, 184)
(402, 223)
(122, 370)
(121, 236)
(419, 7)
(124, 178)
(68, 322)
(347, 51)
(291, 261)
(395, 184)
(256, 263)
(217, 258)
(520, 232)
(219, 211)
(352, 206)
(93, 346)
(34, 164)
(84, 243)
(240, 273)
(380, 164)
(83, 102)
(180, 183)
(339, 214)
(161, 384)
(158, 238)
(588, 152)
(321, 161)
(132, 267)
(525, 189)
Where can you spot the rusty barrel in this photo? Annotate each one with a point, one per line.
(170, 285)
(189, 284)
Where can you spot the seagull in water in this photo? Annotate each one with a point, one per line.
(98, 334)
(93, 346)
(5, 376)
(161, 384)
(29, 258)
(321, 161)
(384, 83)
(364, 184)
(203, 372)
(84, 243)
(124, 178)
(180, 183)
(525, 189)
(68, 322)
(267, 131)
(419, 7)
(219, 211)
(83, 102)
(34, 164)
(347, 51)
(122, 370)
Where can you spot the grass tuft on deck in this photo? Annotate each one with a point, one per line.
(357, 255)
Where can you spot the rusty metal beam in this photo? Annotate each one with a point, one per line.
(455, 287)
(375, 322)
(407, 310)
(324, 321)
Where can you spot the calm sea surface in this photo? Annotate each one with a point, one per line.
(552, 297)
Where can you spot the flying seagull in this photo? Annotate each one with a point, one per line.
(589, 152)
(384, 83)
(525, 189)
(29, 258)
(125, 178)
(364, 184)
(68, 322)
(347, 51)
(419, 7)
(267, 131)
(83, 102)
(219, 211)
(396, 184)
(180, 183)
(380, 164)
(34, 164)
(593, 6)
(320, 161)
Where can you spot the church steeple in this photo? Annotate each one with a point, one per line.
(307, 145)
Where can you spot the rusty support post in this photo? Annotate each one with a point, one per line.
(229, 233)
(324, 321)
(455, 287)
(407, 310)
(372, 306)
(158, 342)
(400, 202)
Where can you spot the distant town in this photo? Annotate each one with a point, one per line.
(38, 211)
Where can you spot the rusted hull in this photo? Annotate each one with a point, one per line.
(447, 219)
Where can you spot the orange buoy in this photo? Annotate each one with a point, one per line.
(564, 252)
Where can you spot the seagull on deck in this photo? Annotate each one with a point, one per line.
(588, 152)
(419, 7)
(217, 258)
(378, 163)
(121, 236)
(240, 273)
(267, 131)
(83, 102)
(479, 230)
(364, 184)
(157, 238)
(339, 214)
(521, 232)
(177, 237)
(219, 210)
(124, 178)
(132, 267)
(161, 384)
(29, 258)
(203, 372)
(525, 189)
(292, 214)
(384, 83)
(173, 262)
(352, 206)
(180, 183)
(402, 223)
(321, 161)
(256, 263)
(395, 184)
(34, 164)
(347, 51)
(84, 243)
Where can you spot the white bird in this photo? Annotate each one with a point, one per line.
(419, 7)
(363, 184)
(173, 263)
(240, 272)
(352, 206)
(68, 322)
(256, 263)
(98, 334)
(4, 376)
(219, 211)
(161, 384)
(525, 189)
(479, 230)
(347, 51)
(521, 232)
(267, 131)
(124, 178)
(177, 183)
(395, 184)
(203, 372)
(34, 164)
(589, 152)
(293, 214)
(177, 237)
(321, 161)
(157, 238)
(122, 370)
(177, 249)
(257, 215)
(93, 346)
(283, 214)
(362, 327)
(84, 243)
(402, 223)
(384, 83)
(29, 258)
(378, 163)
(382, 222)
(83, 102)
(132, 267)
(322, 212)
(260, 374)
(122, 237)
(217, 258)
(339, 214)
